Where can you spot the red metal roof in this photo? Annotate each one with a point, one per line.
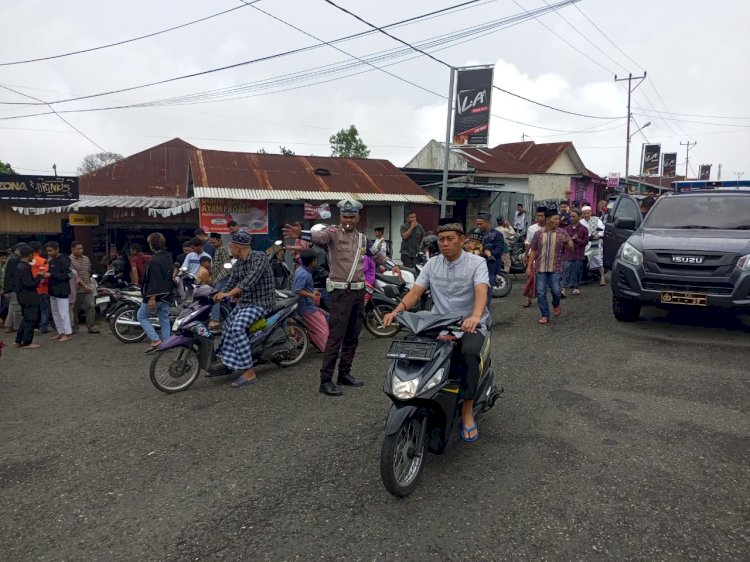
(515, 158)
(242, 170)
(160, 171)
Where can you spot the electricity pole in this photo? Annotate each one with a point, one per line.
(739, 175)
(446, 157)
(688, 145)
(631, 89)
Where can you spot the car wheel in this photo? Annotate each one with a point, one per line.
(625, 310)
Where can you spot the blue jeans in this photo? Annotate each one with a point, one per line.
(221, 284)
(572, 274)
(162, 311)
(544, 281)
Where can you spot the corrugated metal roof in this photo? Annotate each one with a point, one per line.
(515, 158)
(128, 202)
(275, 172)
(297, 195)
(161, 170)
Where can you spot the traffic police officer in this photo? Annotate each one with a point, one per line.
(346, 286)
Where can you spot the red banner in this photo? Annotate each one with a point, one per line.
(317, 211)
(215, 215)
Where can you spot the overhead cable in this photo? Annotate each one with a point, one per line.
(131, 40)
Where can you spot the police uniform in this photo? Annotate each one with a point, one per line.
(346, 288)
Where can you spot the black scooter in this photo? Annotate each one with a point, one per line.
(423, 383)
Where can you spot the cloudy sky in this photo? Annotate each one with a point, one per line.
(695, 54)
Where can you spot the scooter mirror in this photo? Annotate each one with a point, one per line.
(278, 243)
(227, 265)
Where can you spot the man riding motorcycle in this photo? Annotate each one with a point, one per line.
(252, 285)
(459, 284)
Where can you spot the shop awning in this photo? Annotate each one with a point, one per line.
(163, 206)
(300, 195)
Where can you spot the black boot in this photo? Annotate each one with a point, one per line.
(329, 387)
(346, 379)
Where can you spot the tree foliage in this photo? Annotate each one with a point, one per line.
(286, 151)
(347, 144)
(5, 168)
(93, 162)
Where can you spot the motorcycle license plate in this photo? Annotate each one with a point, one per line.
(102, 300)
(690, 299)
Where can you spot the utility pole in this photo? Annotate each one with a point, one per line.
(631, 89)
(688, 146)
(719, 176)
(739, 175)
(54, 167)
(446, 158)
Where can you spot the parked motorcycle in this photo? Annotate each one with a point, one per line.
(123, 320)
(386, 294)
(423, 383)
(502, 285)
(178, 361)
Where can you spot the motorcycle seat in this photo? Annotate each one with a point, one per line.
(281, 304)
(392, 279)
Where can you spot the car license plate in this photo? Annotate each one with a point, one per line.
(102, 300)
(691, 299)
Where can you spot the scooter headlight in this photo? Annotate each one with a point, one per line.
(404, 390)
(435, 380)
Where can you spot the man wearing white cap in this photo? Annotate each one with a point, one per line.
(347, 248)
(594, 250)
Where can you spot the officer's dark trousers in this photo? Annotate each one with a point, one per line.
(470, 348)
(25, 332)
(345, 309)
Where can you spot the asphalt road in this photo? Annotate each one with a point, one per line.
(611, 442)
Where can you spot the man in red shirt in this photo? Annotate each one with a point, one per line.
(138, 263)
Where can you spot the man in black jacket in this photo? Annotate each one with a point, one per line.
(10, 283)
(29, 300)
(157, 284)
(58, 275)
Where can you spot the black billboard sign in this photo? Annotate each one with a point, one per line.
(705, 171)
(650, 165)
(471, 122)
(669, 164)
(38, 189)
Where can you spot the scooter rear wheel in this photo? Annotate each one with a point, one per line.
(400, 461)
(174, 370)
(299, 338)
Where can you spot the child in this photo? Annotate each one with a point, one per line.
(203, 277)
(307, 308)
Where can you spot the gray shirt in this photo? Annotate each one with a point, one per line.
(410, 246)
(452, 284)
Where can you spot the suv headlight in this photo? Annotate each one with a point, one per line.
(404, 390)
(630, 255)
(744, 263)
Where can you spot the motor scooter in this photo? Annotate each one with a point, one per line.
(275, 338)
(423, 383)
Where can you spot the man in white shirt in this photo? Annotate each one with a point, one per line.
(519, 222)
(193, 260)
(379, 245)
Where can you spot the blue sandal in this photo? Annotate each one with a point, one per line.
(466, 431)
(242, 382)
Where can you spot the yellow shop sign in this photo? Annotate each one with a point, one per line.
(83, 220)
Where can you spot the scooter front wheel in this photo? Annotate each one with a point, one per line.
(373, 321)
(173, 370)
(402, 459)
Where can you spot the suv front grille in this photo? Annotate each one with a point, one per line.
(715, 264)
(708, 287)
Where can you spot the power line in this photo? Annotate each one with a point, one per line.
(477, 31)
(607, 37)
(68, 123)
(693, 114)
(589, 41)
(131, 40)
(381, 30)
(553, 32)
(259, 59)
(747, 126)
(555, 108)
